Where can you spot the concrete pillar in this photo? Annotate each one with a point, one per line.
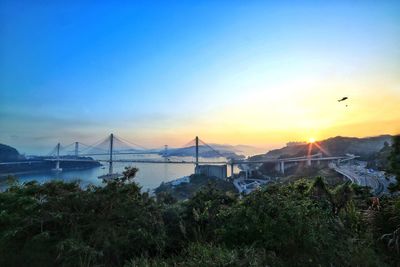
(197, 151)
(165, 150)
(57, 168)
(282, 167)
(278, 166)
(110, 168)
(58, 150)
(76, 149)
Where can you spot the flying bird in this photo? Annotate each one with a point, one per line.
(343, 99)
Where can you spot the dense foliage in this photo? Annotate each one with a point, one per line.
(394, 162)
(299, 224)
(8, 153)
(187, 190)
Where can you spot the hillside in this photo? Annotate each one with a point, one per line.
(306, 223)
(335, 146)
(8, 153)
(239, 149)
(379, 160)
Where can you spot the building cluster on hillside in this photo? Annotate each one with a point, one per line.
(182, 180)
(246, 186)
(295, 143)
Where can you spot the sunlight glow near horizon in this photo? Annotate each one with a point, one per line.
(257, 73)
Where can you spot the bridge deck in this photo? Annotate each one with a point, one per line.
(299, 159)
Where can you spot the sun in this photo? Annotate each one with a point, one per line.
(311, 140)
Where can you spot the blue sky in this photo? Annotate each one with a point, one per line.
(229, 71)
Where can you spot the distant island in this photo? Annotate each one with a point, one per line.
(226, 151)
(37, 163)
(8, 153)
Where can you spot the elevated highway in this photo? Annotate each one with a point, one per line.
(363, 179)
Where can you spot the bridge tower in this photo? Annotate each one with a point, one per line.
(110, 168)
(165, 155)
(197, 151)
(76, 149)
(165, 150)
(57, 168)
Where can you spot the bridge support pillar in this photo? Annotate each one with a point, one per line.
(57, 168)
(110, 168)
(308, 161)
(165, 151)
(282, 167)
(232, 170)
(76, 149)
(197, 151)
(278, 166)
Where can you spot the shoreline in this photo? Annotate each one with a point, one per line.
(5, 175)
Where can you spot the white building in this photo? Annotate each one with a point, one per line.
(185, 179)
(219, 171)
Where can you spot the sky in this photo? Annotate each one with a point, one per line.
(232, 72)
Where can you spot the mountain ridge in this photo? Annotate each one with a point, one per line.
(333, 146)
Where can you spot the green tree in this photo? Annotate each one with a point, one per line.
(394, 160)
(201, 215)
(285, 222)
(61, 224)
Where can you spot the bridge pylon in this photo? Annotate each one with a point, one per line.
(76, 149)
(110, 167)
(110, 175)
(197, 151)
(57, 168)
(165, 151)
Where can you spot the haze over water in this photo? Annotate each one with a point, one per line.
(150, 175)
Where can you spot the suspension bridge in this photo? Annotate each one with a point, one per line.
(112, 146)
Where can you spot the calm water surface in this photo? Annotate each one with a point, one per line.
(150, 175)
